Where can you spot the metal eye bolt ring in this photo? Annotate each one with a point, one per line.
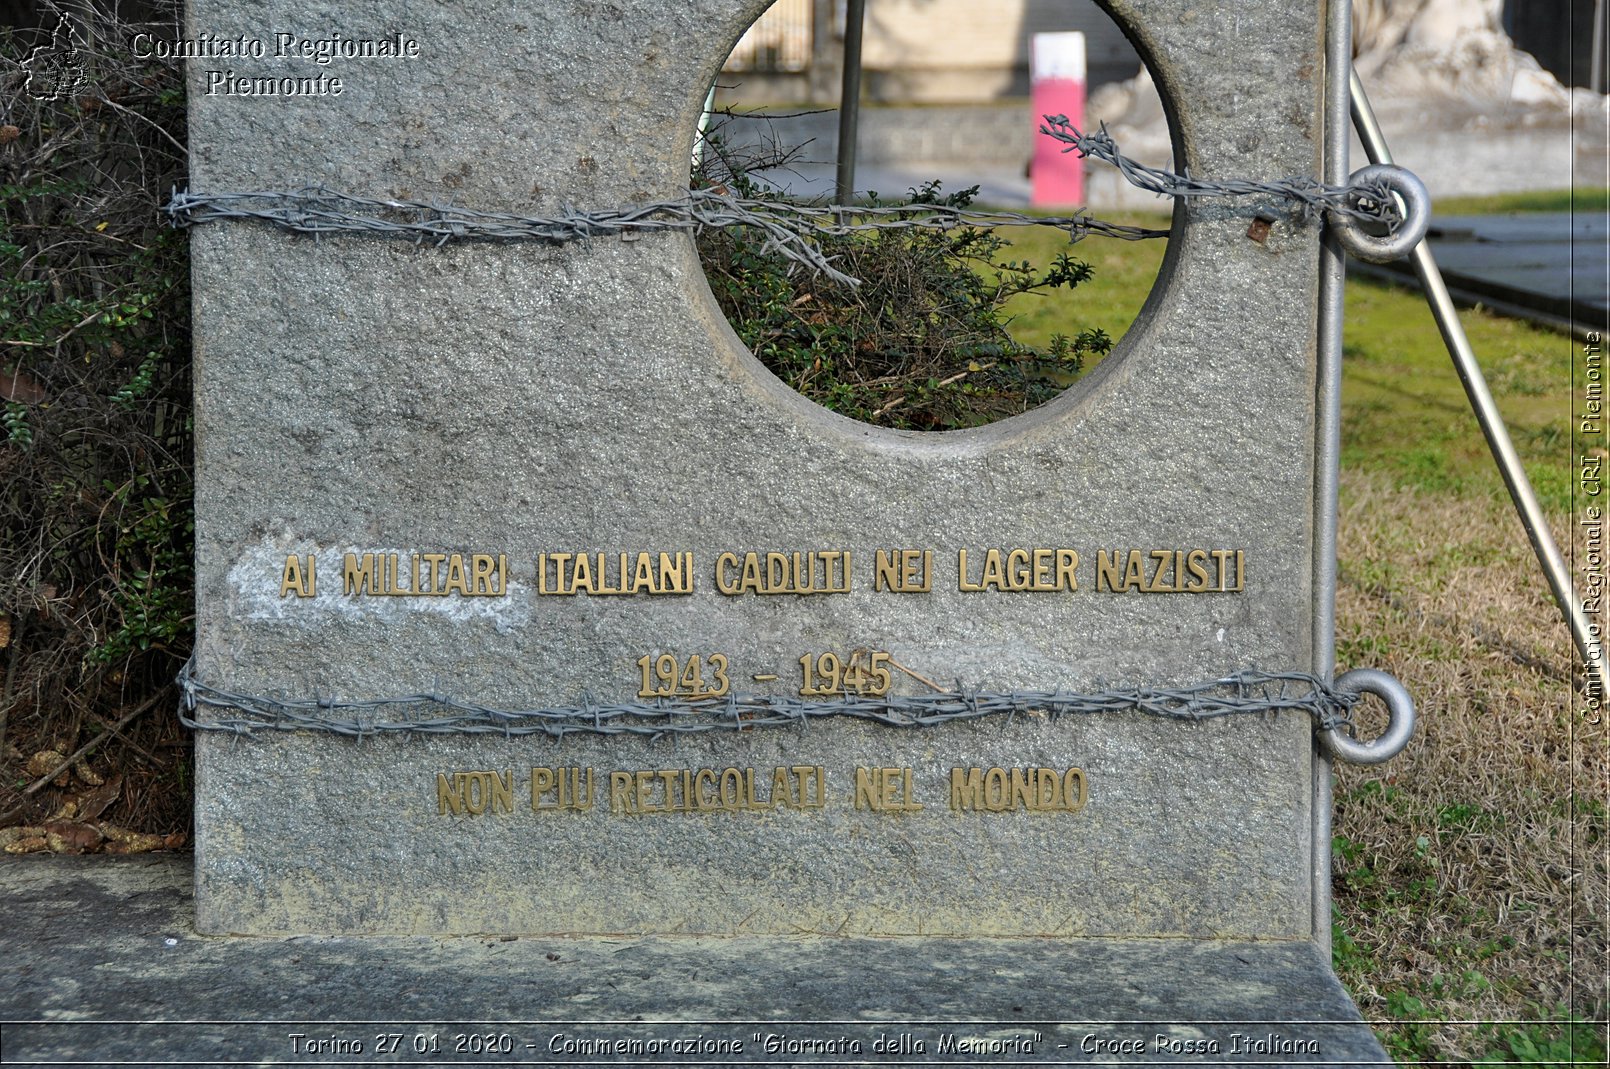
(1413, 199)
(1399, 727)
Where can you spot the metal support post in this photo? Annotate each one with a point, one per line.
(1327, 444)
(850, 101)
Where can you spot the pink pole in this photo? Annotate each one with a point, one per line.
(1057, 87)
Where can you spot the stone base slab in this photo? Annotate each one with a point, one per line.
(96, 947)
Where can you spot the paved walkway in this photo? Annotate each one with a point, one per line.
(1549, 267)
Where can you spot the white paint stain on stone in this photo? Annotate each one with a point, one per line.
(255, 580)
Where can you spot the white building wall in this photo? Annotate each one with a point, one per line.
(969, 34)
(925, 51)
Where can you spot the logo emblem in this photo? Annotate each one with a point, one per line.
(56, 70)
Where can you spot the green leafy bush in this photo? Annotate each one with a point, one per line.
(922, 343)
(96, 527)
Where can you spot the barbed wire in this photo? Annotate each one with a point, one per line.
(1243, 693)
(790, 229)
(1368, 201)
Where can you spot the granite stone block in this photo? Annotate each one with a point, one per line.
(358, 394)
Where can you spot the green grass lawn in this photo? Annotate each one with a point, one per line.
(1123, 275)
(1582, 198)
(1124, 272)
(1404, 411)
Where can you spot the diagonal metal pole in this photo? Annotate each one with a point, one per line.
(1596, 65)
(1492, 424)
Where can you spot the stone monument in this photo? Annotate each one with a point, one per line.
(540, 495)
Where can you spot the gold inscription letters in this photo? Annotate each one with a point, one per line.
(1030, 790)
(904, 571)
(615, 573)
(1039, 570)
(823, 571)
(425, 575)
(663, 791)
(1013, 570)
(299, 578)
(562, 788)
(885, 790)
(673, 678)
(1177, 571)
(707, 790)
(474, 792)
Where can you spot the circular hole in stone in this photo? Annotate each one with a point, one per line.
(952, 328)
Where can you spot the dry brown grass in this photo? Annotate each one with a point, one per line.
(1471, 871)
